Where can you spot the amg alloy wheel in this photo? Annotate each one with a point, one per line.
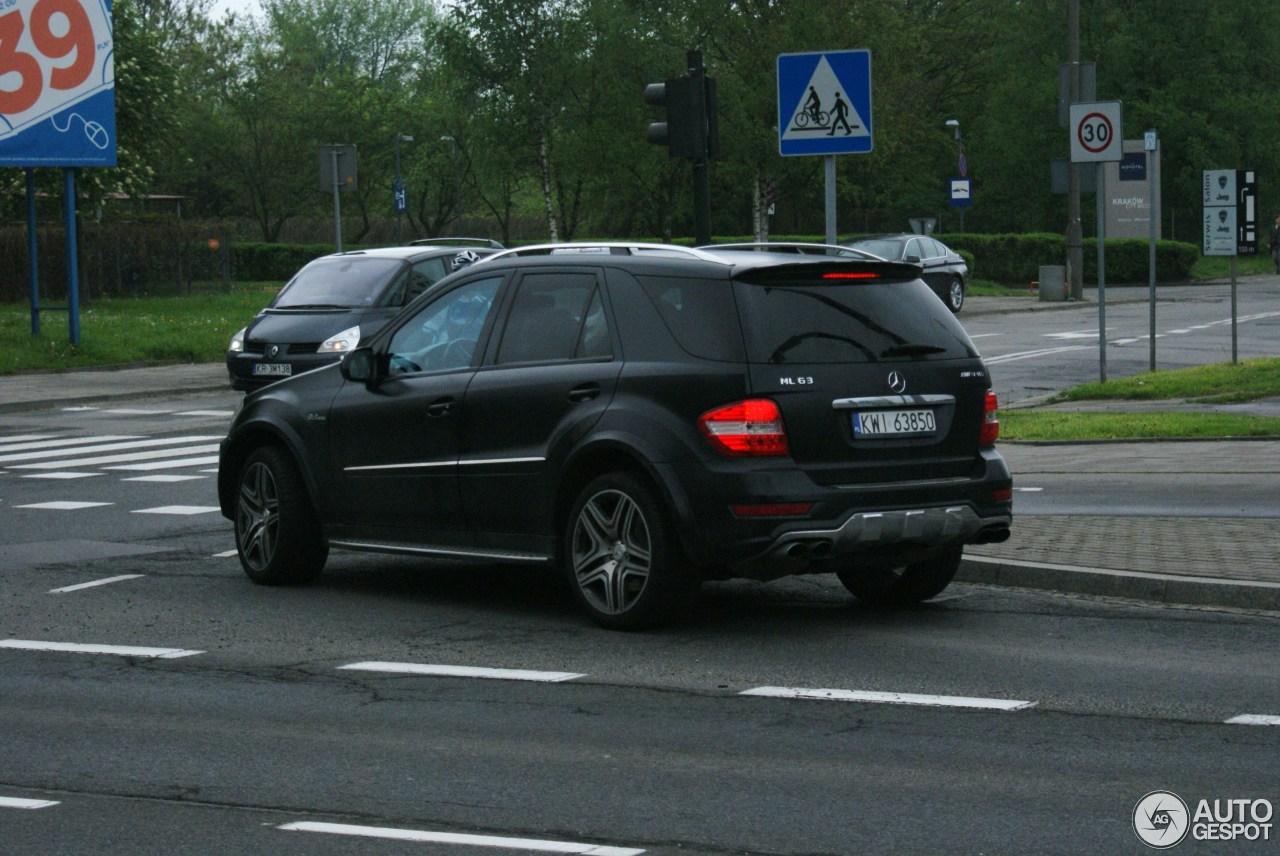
(277, 536)
(621, 557)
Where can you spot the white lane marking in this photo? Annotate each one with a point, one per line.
(891, 698)
(225, 554)
(135, 411)
(64, 505)
(422, 835)
(983, 335)
(1027, 355)
(209, 471)
(61, 475)
(18, 802)
(119, 459)
(23, 438)
(97, 446)
(178, 509)
(159, 478)
(102, 582)
(160, 465)
(83, 408)
(1074, 334)
(12, 445)
(1028, 489)
(117, 650)
(226, 413)
(1253, 719)
(463, 672)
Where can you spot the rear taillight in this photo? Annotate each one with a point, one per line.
(990, 423)
(752, 428)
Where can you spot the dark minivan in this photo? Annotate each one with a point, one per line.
(335, 302)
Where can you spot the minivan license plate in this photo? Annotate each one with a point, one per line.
(890, 423)
(273, 369)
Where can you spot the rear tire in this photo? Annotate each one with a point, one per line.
(905, 585)
(955, 295)
(277, 535)
(621, 557)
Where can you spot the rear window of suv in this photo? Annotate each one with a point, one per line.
(822, 321)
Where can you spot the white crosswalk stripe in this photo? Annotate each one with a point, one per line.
(59, 457)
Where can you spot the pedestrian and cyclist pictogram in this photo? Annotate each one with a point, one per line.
(824, 103)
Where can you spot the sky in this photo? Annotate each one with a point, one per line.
(242, 7)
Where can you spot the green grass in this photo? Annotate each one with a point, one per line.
(1219, 267)
(182, 329)
(1059, 426)
(987, 288)
(1213, 384)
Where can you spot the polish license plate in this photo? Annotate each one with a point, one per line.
(892, 423)
(272, 369)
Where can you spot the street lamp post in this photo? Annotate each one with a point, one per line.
(398, 190)
(960, 165)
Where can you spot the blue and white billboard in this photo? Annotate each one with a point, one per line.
(57, 83)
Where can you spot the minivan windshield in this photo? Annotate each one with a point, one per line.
(819, 321)
(341, 282)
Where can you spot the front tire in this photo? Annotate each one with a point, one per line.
(277, 535)
(905, 585)
(621, 557)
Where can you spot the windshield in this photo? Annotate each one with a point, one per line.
(885, 249)
(341, 282)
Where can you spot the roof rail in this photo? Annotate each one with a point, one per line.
(801, 247)
(450, 242)
(618, 248)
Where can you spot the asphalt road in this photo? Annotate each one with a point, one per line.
(230, 718)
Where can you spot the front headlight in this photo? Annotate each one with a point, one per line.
(237, 342)
(341, 343)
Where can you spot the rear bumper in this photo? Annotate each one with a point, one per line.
(885, 522)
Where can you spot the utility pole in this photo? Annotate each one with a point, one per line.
(1075, 233)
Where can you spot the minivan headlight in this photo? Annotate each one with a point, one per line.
(237, 342)
(341, 343)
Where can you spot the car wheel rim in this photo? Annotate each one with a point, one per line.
(612, 552)
(957, 294)
(258, 516)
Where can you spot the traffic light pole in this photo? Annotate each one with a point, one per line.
(701, 165)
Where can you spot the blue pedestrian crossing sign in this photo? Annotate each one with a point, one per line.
(824, 103)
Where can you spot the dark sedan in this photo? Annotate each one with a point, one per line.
(334, 303)
(942, 268)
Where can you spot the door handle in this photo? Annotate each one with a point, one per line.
(441, 407)
(584, 392)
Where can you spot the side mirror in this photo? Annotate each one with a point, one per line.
(360, 365)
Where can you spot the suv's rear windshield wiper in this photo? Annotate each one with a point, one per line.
(910, 350)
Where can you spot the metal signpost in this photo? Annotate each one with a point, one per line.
(337, 174)
(1097, 137)
(55, 113)
(1150, 144)
(1231, 224)
(824, 108)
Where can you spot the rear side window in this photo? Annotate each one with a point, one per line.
(700, 314)
(555, 317)
(809, 321)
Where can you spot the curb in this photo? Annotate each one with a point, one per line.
(46, 403)
(1135, 585)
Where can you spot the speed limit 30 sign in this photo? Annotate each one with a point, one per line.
(1096, 133)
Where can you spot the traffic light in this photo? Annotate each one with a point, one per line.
(679, 132)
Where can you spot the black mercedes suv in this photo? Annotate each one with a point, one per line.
(642, 418)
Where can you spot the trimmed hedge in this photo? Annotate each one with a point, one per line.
(1016, 259)
(258, 262)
